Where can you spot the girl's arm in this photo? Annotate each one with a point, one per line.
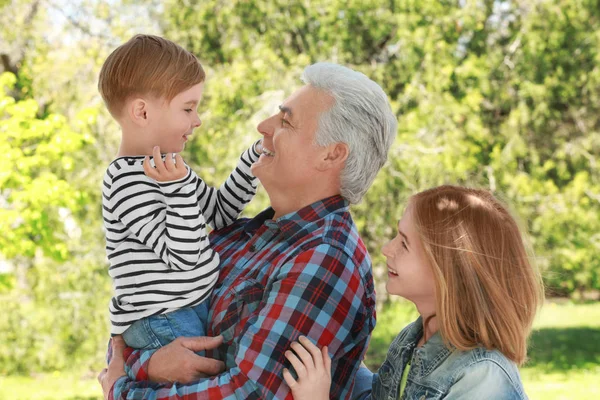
(313, 368)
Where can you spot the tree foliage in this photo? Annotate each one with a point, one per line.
(496, 94)
(491, 93)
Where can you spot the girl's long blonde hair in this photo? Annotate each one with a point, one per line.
(488, 288)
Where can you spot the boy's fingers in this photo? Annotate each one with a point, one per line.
(158, 162)
(169, 162)
(179, 162)
(148, 170)
(304, 355)
(146, 165)
(296, 363)
(289, 379)
(313, 350)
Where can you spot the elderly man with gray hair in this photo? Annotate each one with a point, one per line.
(299, 268)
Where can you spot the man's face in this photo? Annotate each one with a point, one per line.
(289, 165)
(173, 122)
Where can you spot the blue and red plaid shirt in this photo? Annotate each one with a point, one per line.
(307, 273)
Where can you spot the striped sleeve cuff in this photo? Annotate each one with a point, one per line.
(171, 187)
(249, 157)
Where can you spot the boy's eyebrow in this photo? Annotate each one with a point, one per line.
(191, 102)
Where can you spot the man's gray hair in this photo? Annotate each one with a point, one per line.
(361, 117)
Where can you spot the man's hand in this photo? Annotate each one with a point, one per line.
(178, 362)
(166, 171)
(116, 367)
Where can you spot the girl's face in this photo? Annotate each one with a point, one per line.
(409, 271)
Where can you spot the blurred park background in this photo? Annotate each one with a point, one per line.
(497, 94)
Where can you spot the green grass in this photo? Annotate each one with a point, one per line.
(564, 357)
(564, 353)
(54, 386)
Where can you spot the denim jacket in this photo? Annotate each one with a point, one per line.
(438, 372)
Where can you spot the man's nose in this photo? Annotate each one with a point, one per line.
(266, 127)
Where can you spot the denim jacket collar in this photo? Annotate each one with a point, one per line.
(427, 357)
(435, 369)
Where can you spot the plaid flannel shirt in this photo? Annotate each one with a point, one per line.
(307, 273)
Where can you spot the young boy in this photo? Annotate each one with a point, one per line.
(155, 208)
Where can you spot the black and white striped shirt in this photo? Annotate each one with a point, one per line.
(156, 240)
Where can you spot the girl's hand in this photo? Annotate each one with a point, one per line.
(166, 171)
(313, 369)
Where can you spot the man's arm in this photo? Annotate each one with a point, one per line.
(164, 216)
(222, 206)
(318, 294)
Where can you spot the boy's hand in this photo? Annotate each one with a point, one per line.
(313, 369)
(165, 171)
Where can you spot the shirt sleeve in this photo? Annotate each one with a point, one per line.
(164, 216)
(318, 294)
(363, 385)
(485, 379)
(222, 206)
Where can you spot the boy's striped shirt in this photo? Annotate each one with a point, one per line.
(156, 239)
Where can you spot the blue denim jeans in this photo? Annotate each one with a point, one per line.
(159, 330)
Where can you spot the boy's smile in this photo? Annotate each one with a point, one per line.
(152, 121)
(171, 124)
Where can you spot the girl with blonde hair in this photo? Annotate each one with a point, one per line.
(460, 257)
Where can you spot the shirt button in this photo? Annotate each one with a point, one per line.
(252, 248)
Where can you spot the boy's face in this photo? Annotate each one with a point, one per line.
(171, 123)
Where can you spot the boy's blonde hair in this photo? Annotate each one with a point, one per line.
(147, 65)
(487, 288)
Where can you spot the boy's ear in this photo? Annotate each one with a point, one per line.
(138, 112)
(334, 156)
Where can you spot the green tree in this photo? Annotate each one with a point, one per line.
(58, 140)
(493, 93)
(496, 94)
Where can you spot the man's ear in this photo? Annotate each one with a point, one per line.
(138, 112)
(334, 156)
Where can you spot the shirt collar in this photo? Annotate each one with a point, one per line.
(294, 222)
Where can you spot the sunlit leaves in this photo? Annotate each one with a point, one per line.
(34, 177)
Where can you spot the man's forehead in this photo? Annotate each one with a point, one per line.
(307, 98)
